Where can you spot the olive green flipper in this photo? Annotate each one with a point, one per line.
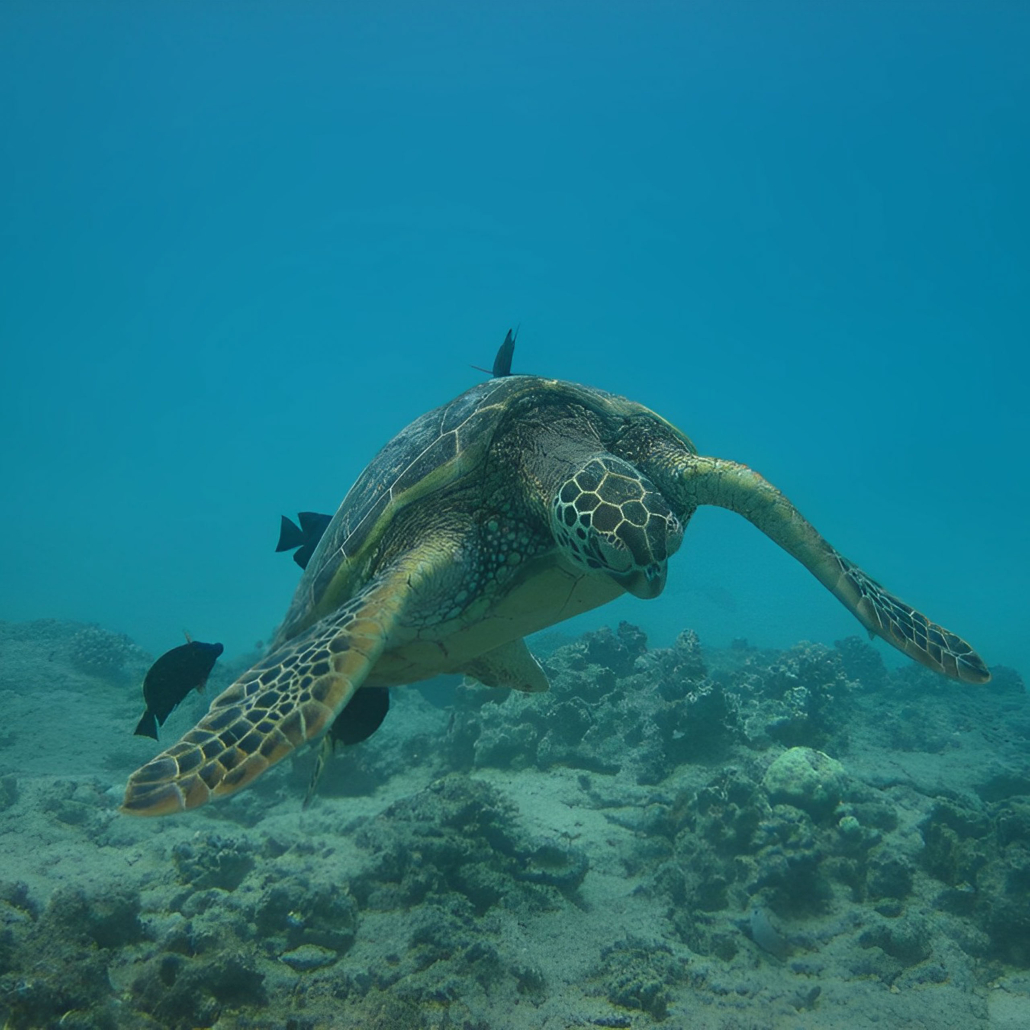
(698, 480)
(288, 698)
(510, 665)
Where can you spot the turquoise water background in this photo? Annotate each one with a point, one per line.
(244, 244)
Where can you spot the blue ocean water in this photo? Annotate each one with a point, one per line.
(245, 244)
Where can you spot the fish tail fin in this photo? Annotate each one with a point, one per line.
(290, 535)
(147, 726)
(325, 752)
(313, 523)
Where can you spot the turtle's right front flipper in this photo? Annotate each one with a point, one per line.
(695, 480)
(285, 700)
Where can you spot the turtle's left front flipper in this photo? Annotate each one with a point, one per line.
(285, 700)
(691, 480)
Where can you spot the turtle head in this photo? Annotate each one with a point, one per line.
(609, 518)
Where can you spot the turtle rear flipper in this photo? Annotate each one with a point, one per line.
(698, 480)
(511, 665)
(285, 700)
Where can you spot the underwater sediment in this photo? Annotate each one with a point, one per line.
(681, 836)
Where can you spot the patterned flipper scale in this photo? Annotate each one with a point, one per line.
(727, 484)
(285, 700)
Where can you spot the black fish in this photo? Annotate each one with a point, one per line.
(362, 716)
(171, 678)
(502, 363)
(357, 722)
(304, 537)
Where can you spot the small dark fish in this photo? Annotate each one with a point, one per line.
(170, 679)
(357, 722)
(362, 717)
(304, 537)
(502, 363)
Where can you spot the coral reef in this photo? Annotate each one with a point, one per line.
(639, 974)
(677, 836)
(806, 779)
(213, 861)
(54, 961)
(613, 705)
(457, 842)
(100, 652)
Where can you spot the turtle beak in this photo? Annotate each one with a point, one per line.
(644, 583)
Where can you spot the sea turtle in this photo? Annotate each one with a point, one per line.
(521, 503)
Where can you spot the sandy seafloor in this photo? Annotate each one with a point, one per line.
(616, 853)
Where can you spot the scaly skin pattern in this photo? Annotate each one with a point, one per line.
(741, 489)
(278, 705)
(523, 502)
